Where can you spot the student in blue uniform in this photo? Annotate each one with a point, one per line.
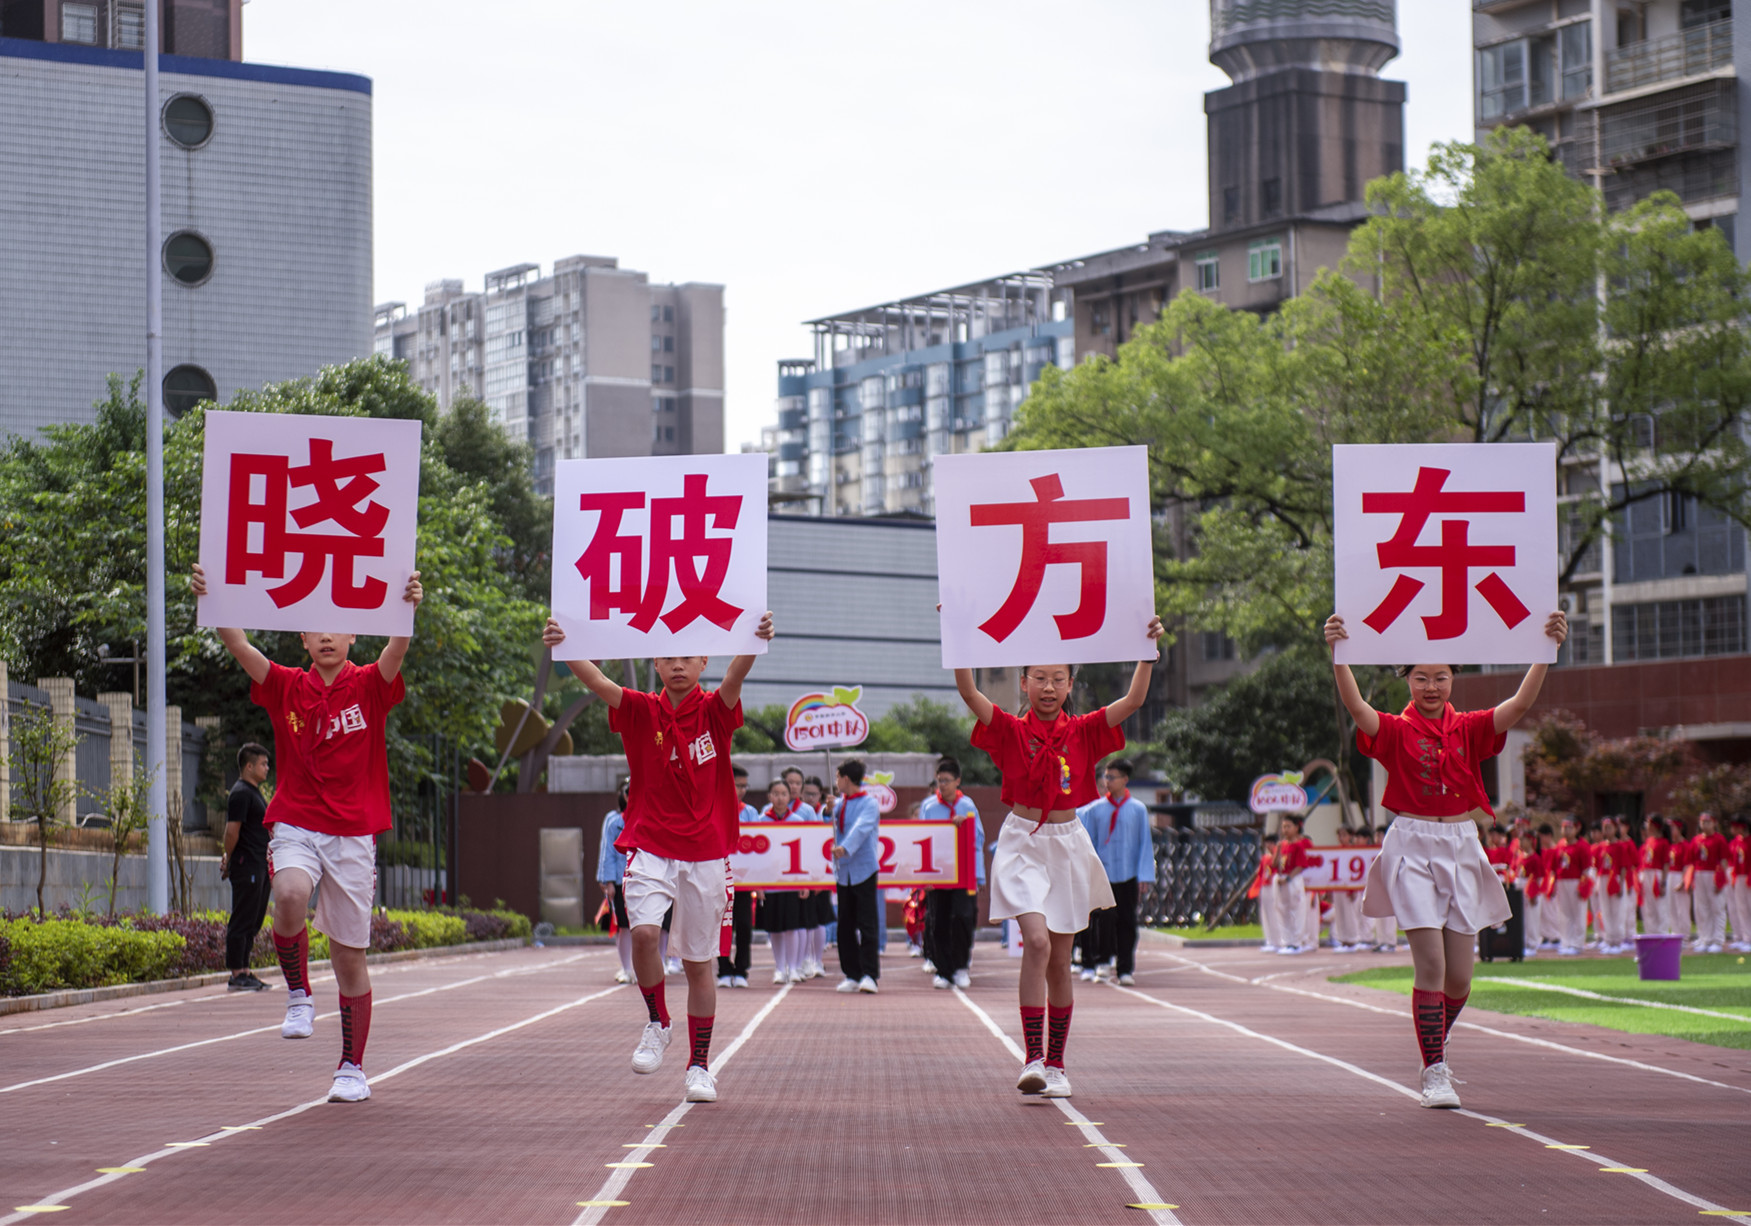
(1118, 825)
(953, 914)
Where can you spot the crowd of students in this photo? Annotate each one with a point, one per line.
(1291, 915)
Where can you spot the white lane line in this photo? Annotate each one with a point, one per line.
(226, 1038)
(1140, 1186)
(1544, 985)
(157, 1155)
(616, 1183)
(1529, 1040)
(1591, 1155)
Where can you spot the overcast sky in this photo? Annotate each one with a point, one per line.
(810, 155)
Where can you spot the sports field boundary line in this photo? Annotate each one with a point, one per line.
(1544, 985)
(616, 1183)
(1702, 1204)
(1139, 1184)
(211, 1138)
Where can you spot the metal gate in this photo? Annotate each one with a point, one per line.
(1196, 871)
(415, 855)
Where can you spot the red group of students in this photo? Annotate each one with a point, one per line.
(1290, 913)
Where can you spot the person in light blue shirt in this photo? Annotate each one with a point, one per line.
(1118, 824)
(952, 913)
(610, 871)
(856, 860)
(732, 972)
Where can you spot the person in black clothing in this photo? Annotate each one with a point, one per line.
(245, 864)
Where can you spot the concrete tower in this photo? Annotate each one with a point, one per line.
(1308, 121)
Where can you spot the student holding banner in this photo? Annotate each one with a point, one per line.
(1045, 874)
(331, 802)
(1431, 873)
(681, 822)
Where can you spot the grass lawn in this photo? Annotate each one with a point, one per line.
(1231, 932)
(1718, 983)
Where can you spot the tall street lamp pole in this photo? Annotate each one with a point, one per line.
(157, 809)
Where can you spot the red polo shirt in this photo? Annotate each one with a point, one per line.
(330, 760)
(1047, 766)
(683, 802)
(1432, 766)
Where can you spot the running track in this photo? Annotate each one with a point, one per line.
(1244, 1087)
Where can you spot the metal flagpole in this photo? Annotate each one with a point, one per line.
(157, 810)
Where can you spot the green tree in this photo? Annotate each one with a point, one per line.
(39, 744)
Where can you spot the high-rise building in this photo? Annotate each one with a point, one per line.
(266, 206)
(1635, 98)
(592, 360)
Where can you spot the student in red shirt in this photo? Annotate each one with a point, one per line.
(1298, 910)
(1264, 887)
(1655, 849)
(682, 819)
(1431, 872)
(1045, 873)
(1739, 888)
(1614, 887)
(331, 801)
(1706, 875)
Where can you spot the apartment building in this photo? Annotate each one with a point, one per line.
(1636, 98)
(591, 360)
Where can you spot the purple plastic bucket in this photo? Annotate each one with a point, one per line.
(1657, 956)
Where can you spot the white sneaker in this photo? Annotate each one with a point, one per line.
(1438, 1086)
(723, 981)
(1126, 981)
(350, 1085)
(962, 979)
(1714, 947)
(797, 976)
(300, 1016)
(622, 977)
(913, 951)
(647, 1057)
(940, 983)
(780, 977)
(1033, 1077)
(701, 1085)
(1057, 1083)
(866, 984)
(672, 966)
(1086, 976)
(1566, 951)
(1267, 949)
(739, 981)
(927, 966)
(846, 985)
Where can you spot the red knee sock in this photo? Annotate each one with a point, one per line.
(653, 1000)
(355, 1028)
(1057, 1032)
(699, 1040)
(1429, 1012)
(294, 954)
(1033, 1028)
(1452, 1005)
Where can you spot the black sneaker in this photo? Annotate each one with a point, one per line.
(245, 981)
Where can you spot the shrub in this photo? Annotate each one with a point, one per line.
(51, 954)
(496, 925)
(426, 929)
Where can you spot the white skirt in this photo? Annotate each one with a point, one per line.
(1435, 875)
(1053, 871)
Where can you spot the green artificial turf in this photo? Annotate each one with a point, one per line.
(1231, 932)
(1717, 982)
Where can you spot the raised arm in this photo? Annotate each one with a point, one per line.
(594, 679)
(976, 702)
(1514, 710)
(1366, 717)
(730, 691)
(395, 650)
(1118, 712)
(236, 642)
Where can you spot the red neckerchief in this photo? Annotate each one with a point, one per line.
(669, 726)
(1118, 804)
(794, 806)
(839, 826)
(311, 711)
(1048, 766)
(1457, 773)
(952, 804)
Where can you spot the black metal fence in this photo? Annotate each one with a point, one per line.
(1196, 871)
(415, 855)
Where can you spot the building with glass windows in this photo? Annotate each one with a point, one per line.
(266, 205)
(591, 360)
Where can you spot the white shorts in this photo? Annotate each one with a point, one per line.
(344, 866)
(1435, 875)
(699, 890)
(1053, 871)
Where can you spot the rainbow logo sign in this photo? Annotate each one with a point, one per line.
(826, 719)
(1278, 793)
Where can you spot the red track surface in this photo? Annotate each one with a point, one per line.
(1243, 1101)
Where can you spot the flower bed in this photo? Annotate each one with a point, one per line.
(69, 951)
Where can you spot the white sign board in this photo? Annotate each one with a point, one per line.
(308, 523)
(1044, 557)
(799, 855)
(1445, 553)
(659, 556)
(1340, 868)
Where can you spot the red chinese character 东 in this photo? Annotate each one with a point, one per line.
(700, 563)
(1038, 552)
(341, 486)
(1455, 557)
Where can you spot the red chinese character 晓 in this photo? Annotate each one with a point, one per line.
(340, 486)
(700, 563)
(1454, 557)
(1037, 552)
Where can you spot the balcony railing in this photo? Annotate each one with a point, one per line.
(1689, 53)
(1673, 125)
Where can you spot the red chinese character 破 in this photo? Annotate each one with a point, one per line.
(700, 563)
(1037, 552)
(1454, 557)
(340, 487)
